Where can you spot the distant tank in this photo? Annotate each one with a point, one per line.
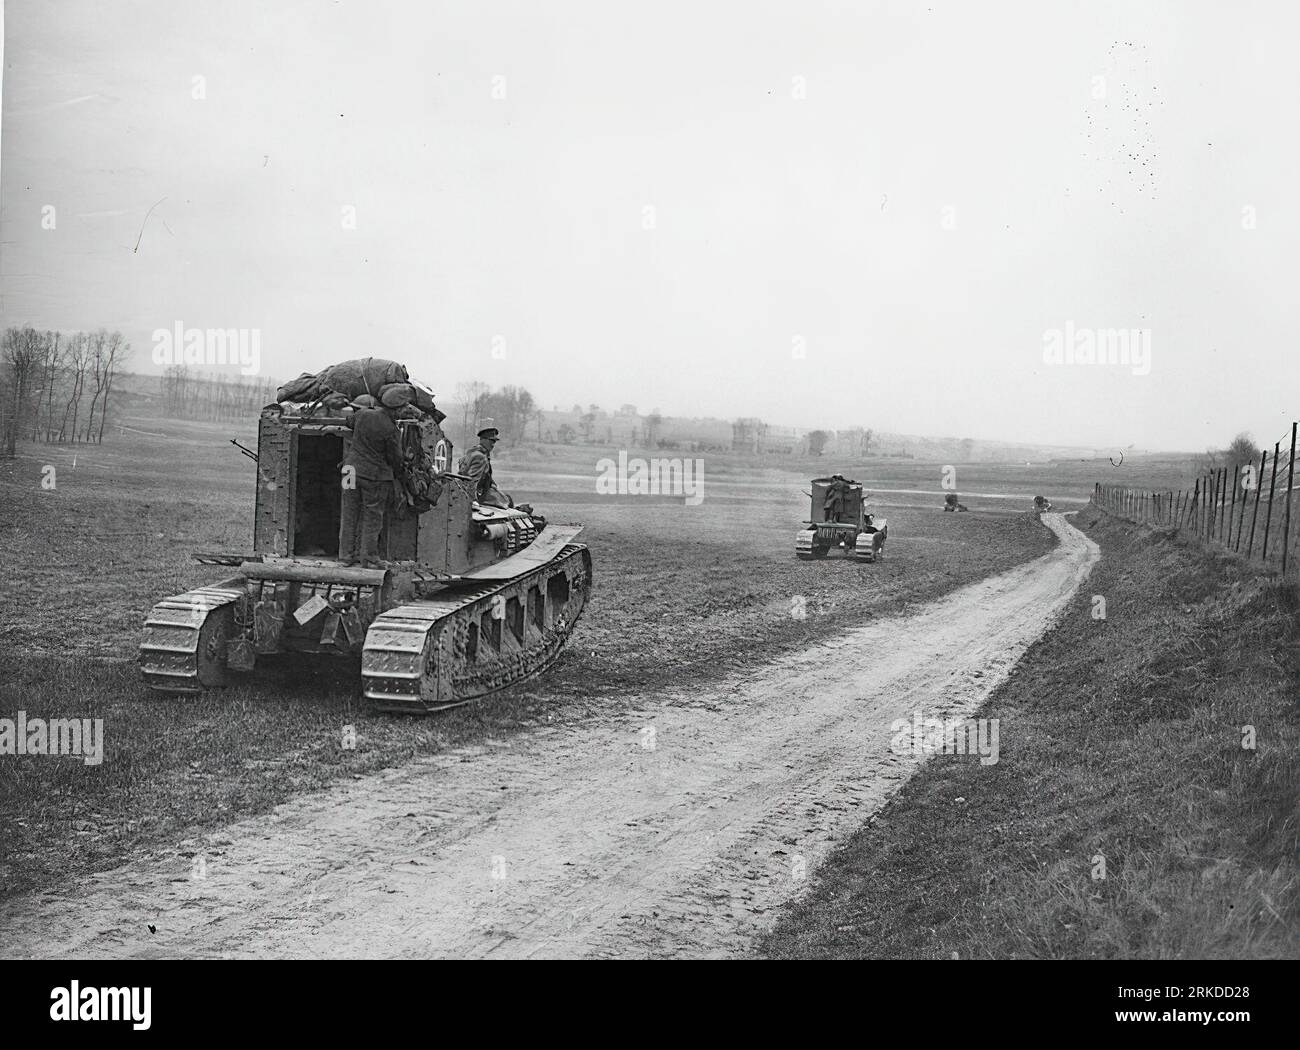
(951, 502)
(473, 598)
(1042, 503)
(861, 535)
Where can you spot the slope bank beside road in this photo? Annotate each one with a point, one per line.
(1144, 804)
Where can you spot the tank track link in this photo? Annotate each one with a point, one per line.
(436, 653)
(185, 638)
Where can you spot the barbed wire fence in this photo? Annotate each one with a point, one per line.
(1245, 508)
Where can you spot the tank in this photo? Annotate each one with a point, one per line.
(851, 528)
(470, 599)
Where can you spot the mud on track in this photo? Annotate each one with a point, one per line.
(673, 830)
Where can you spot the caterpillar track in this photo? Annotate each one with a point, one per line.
(436, 653)
(185, 639)
(426, 655)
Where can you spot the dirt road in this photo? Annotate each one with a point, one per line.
(672, 830)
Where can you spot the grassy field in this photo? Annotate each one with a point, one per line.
(682, 594)
(1121, 738)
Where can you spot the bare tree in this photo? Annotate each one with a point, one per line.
(50, 366)
(511, 409)
(77, 360)
(117, 350)
(98, 348)
(471, 395)
(22, 351)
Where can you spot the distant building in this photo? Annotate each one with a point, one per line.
(754, 436)
(747, 435)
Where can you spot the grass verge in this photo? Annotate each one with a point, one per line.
(1121, 742)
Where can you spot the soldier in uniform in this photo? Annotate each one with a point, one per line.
(477, 464)
(374, 456)
(833, 504)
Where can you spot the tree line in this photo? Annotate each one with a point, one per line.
(185, 393)
(54, 386)
(516, 414)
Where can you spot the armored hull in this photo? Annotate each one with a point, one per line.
(470, 599)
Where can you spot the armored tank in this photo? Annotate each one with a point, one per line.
(861, 534)
(471, 598)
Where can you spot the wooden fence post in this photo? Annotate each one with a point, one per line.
(1223, 504)
(1232, 506)
(1290, 479)
(1241, 514)
(1259, 487)
(1212, 508)
(1268, 514)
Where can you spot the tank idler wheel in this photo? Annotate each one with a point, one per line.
(214, 638)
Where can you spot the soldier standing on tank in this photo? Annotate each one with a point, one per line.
(477, 464)
(374, 456)
(836, 491)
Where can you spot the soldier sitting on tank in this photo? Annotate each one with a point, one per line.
(373, 457)
(836, 493)
(477, 464)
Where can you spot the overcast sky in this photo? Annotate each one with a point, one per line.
(817, 213)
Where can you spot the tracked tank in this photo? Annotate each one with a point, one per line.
(470, 599)
(860, 533)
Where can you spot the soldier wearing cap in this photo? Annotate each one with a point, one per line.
(477, 464)
(374, 456)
